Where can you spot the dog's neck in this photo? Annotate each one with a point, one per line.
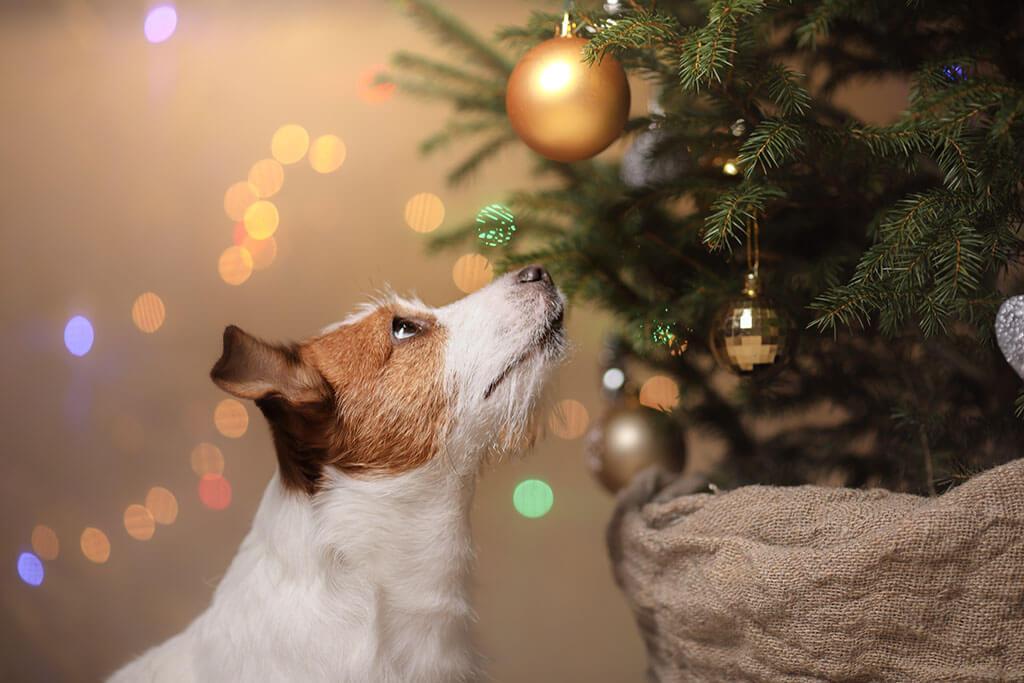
(369, 576)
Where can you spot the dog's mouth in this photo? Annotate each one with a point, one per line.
(552, 336)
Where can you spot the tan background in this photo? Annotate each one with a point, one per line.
(115, 158)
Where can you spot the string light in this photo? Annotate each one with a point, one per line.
(569, 419)
(45, 542)
(148, 312)
(424, 212)
(267, 177)
(239, 197)
(160, 23)
(730, 167)
(207, 459)
(471, 272)
(327, 153)
(139, 522)
(235, 265)
(79, 335)
(231, 418)
(162, 504)
(613, 379)
(30, 569)
(261, 219)
(289, 143)
(659, 392)
(533, 498)
(215, 491)
(370, 91)
(95, 545)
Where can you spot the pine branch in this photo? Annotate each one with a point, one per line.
(732, 212)
(642, 29)
(786, 92)
(453, 33)
(769, 145)
(484, 152)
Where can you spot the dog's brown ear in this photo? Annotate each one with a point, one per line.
(252, 368)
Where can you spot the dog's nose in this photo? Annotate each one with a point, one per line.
(534, 273)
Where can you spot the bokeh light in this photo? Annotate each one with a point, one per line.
(533, 498)
(659, 392)
(471, 272)
(497, 225)
(207, 459)
(79, 335)
(730, 167)
(235, 265)
(290, 143)
(162, 504)
(139, 522)
(214, 491)
(327, 153)
(613, 379)
(45, 542)
(160, 23)
(569, 419)
(238, 198)
(30, 569)
(231, 418)
(261, 219)
(370, 91)
(148, 312)
(424, 212)
(263, 252)
(95, 545)
(267, 176)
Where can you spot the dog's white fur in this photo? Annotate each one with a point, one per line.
(366, 580)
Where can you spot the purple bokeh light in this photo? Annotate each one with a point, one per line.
(79, 335)
(30, 569)
(160, 23)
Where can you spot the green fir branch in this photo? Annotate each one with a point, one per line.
(731, 214)
(454, 34)
(769, 145)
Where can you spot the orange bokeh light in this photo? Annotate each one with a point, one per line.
(148, 312)
(45, 542)
(369, 90)
(214, 491)
(471, 272)
(162, 504)
(659, 392)
(267, 176)
(424, 212)
(207, 459)
(235, 265)
(237, 199)
(263, 251)
(95, 545)
(327, 153)
(231, 418)
(139, 522)
(289, 143)
(569, 419)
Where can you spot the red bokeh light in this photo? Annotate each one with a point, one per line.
(215, 491)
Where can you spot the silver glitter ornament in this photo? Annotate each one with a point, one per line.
(1010, 332)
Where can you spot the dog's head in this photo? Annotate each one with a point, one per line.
(399, 383)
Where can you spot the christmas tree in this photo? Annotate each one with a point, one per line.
(890, 247)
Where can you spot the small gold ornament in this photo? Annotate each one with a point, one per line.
(750, 335)
(563, 108)
(630, 438)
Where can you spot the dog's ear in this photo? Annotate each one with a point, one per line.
(252, 368)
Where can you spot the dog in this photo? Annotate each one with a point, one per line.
(357, 564)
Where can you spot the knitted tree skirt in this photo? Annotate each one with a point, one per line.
(815, 584)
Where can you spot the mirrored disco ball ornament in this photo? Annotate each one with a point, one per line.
(749, 335)
(1010, 332)
(630, 438)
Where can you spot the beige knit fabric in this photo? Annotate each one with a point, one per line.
(819, 584)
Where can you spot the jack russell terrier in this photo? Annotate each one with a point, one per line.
(357, 565)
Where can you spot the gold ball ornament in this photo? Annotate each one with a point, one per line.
(563, 108)
(749, 335)
(630, 438)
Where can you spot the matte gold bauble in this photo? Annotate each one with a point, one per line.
(563, 108)
(630, 438)
(750, 335)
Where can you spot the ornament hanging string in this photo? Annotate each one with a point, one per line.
(753, 256)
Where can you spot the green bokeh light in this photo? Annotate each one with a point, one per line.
(497, 224)
(533, 498)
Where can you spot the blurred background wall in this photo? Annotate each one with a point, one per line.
(125, 165)
(117, 155)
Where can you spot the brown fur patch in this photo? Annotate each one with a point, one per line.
(390, 396)
(354, 398)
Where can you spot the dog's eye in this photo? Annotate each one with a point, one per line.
(403, 329)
